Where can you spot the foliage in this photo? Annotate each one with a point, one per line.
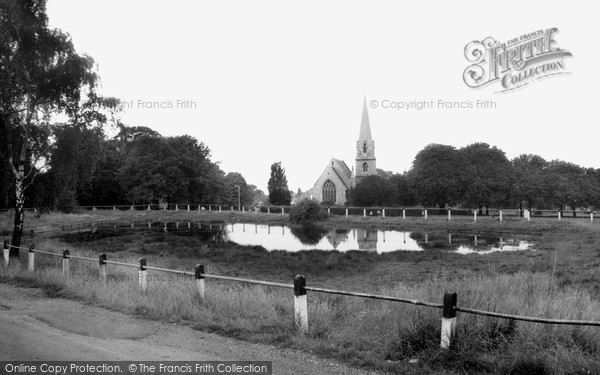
(307, 210)
(374, 190)
(439, 175)
(279, 194)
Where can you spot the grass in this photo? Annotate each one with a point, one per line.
(560, 280)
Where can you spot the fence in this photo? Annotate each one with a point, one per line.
(449, 305)
(404, 212)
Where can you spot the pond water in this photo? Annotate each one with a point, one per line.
(277, 237)
(380, 241)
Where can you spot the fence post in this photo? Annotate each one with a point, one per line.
(403, 213)
(449, 215)
(243, 209)
(364, 212)
(65, 269)
(592, 217)
(268, 209)
(103, 273)
(199, 273)
(31, 259)
(425, 214)
(474, 215)
(559, 216)
(383, 212)
(219, 208)
(282, 210)
(188, 207)
(347, 212)
(300, 303)
(448, 319)
(6, 252)
(500, 215)
(231, 208)
(131, 208)
(328, 211)
(142, 276)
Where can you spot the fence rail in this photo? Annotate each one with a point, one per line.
(404, 212)
(449, 306)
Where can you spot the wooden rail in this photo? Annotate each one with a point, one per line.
(449, 305)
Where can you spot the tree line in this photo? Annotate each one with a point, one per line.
(136, 166)
(479, 175)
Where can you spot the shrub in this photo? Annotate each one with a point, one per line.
(307, 210)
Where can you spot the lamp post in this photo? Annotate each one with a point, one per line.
(239, 201)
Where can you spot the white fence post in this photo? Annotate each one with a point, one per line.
(425, 214)
(143, 276)
(199, 274)
(475, 215)
(559, 216)
(500, 215)
(364, 212)
(31, 258)
(383, 212)
(403, 213)
(102, 271)
(65, 262)
(448, 320)
(449, 215)
(328, 211)
(268, 209)
(300, 303)
(282, 210)
(6, 252)
(347, 212)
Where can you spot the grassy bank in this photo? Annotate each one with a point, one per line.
(383, 335)
(559, 280)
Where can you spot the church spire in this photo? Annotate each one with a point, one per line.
(365, 126)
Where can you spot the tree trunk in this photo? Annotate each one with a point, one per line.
(19, 174)
(19, 219)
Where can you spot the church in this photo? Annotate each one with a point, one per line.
(337, 179)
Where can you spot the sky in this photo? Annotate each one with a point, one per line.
(266, 81)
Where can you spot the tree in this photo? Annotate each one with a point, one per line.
(489, 176)
(230, 193)
(373, 190)
(279, 194)
(529, 179)
(438, 175)
(406, 194)
(40, 73)
(170, 169)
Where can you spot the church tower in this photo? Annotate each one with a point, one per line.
(365, 148)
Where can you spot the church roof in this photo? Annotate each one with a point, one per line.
(365, 126)
(342, 171)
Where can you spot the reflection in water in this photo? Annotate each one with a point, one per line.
(312, 237)
(281, 238)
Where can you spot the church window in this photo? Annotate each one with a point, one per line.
(365, 167)
(365, 147)
(329, 192)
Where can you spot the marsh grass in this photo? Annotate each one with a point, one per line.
(362, 332)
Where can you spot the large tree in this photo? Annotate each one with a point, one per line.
(40, 73)
(438, 175)
(489, 176)
(529, 179)
(375, 190)
(279, 193)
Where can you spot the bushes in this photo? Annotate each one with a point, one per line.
(307, 210)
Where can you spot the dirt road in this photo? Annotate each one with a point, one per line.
(34, 327)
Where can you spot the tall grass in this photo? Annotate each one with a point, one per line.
(379, 334)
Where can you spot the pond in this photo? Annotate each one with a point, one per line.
(277, 237)
(380, 241)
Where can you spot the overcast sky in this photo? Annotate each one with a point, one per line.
(284, 81)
